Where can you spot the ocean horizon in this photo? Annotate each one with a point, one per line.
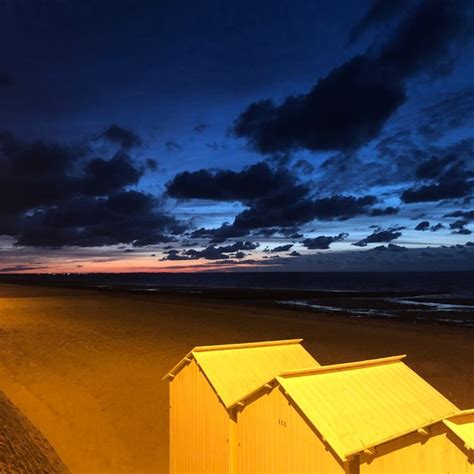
(445, 298)
(413, 281)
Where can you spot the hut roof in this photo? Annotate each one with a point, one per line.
(462, 425)
(235, 370)
(359, 405)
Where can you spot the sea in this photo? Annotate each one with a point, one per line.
(418, 297)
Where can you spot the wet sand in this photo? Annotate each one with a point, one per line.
(85, 366)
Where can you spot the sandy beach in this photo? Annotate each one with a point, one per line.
(85, 366)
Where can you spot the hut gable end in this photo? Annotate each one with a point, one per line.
(462, 425)
(235, 370)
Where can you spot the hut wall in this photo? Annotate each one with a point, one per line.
(199, 425)
(273, 437)
(436, 453)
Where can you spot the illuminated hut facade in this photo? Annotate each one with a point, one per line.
(205, 389)
(375, 416)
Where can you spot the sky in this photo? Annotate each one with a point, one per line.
(236, 136)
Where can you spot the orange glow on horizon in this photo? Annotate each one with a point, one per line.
(136, 265)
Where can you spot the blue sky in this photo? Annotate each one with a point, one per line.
(350, 121)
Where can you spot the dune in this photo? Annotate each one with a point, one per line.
(85, 366)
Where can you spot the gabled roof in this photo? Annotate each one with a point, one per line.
(235, 370)
(462, 425)
(359, 405)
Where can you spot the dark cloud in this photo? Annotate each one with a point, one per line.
(201, 233)
(462, 231)
(288, 232)
(323, 242)
(395, 158)
(200, 127)
(126, 217)
(342, 111)
(226, 231)
(400, 159)
(296, 235)
(380, 258)
(444, 189)
(343, 207)
(386, 211)
(352, 103)
(437, 227)
(448, 175)
(304, 166)
(267, 232)
(152, 165)
(41, 173)
(437, 166)
(454, 111)
(211, 252)
(53, 195)
(275, 199)
(453, 163)
(280, 159)
(469, 244)
(247, 261)
(102, 177)
(172, 146)
(252, 182)
(284, 209)
(174, 254)
(459, 227)
(423, 225)
(467, 215)
(389, 248)
(6, 79)
(379, 236)
(380, 12)
(241, 245)
(262, 188)
(281, 248)
(9, 223)
(293, 208)
(21, 268)
(126, 139)
(35, 173)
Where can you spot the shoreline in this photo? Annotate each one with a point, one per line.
(85, 366)
(410, 307)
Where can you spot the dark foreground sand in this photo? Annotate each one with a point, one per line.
(22, 447)
(85, 366)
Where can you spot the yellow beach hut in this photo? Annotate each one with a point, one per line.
(205, 389)
(444, 447)
(339, 419)
(461, 434)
